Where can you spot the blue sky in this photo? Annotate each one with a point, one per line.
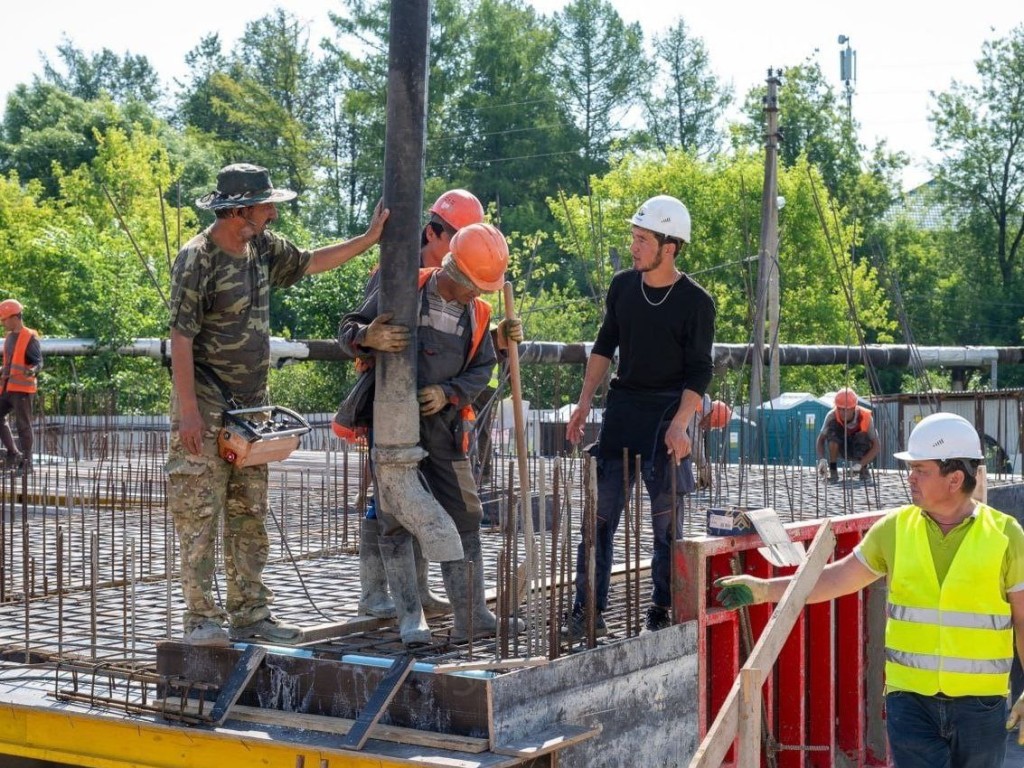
(903, 53)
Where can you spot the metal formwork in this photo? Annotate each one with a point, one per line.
(823, 700)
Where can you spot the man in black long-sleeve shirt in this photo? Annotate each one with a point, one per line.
(663, 324)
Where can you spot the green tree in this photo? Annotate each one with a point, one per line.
(723, 197)
(979, 129)
(687, 114)
(598, 64)
(125, 78)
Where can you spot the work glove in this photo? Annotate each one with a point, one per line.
(855, 468)
(823, 467)
(1016, 719)
(508, 330)
(738, 591)
(432, 399)
(383, 336)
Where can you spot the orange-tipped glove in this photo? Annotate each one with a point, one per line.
(1016, 719)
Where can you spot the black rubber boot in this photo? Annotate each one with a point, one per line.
(401, 569)
(471, 610)
(374, 599)
(433, 604)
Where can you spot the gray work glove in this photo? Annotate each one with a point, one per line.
(383, 336)
(432, 399)
(509, 330)
(823, 467)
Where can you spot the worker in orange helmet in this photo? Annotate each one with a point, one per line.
(453, 210)
(848, 431)
(454, 363)
(22, 361)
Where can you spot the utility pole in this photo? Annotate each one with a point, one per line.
(767, 296)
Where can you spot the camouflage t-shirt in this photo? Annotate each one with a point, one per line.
(222, 302)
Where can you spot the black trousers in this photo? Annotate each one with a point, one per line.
(20, 404)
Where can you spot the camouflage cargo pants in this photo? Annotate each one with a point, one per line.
(203, 493)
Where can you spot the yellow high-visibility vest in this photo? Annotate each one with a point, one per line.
(955, 638)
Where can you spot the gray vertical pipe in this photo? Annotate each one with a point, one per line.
(395, 410)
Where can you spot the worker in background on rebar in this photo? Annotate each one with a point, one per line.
(847, 431)
(663, 324)
(454, 362)
(220, 342)
(955, 573)
(21, 362)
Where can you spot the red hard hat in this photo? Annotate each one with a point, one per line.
(846, 398)
(9, 308)
(458, 208)
(481, 254)
(720, 414)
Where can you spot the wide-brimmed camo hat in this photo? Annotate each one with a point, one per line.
(240, 185)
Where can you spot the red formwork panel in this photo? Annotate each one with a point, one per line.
(815, 699)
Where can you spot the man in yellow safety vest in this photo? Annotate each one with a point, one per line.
(955, 571)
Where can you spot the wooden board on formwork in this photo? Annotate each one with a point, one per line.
(340, 726)
(430, 702)
(547, 741)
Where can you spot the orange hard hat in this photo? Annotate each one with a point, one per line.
(846, 398)
(481, 254)
(458, 208)
(9, 308)
(720, 414)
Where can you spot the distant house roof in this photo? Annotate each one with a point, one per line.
(922, 207)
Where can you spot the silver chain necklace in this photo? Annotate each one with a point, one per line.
(663, 298)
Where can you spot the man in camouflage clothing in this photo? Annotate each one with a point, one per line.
(220, 341)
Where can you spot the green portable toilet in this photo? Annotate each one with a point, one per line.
(791, 423)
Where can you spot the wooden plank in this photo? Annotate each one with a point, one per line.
(548, 740)
(378, 702)
(341, 726)
(240, 676)
(327, 631)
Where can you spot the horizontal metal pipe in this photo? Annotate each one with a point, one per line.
(284, 351)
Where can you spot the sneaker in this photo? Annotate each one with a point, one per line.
(657, 618)
(574, 625)
(269, 629)
(207, 632)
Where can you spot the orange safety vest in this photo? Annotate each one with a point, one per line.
(21, 377)
(479, 324)
(861, 424)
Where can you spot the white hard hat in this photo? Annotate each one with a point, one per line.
(942, 436)
(666, 216)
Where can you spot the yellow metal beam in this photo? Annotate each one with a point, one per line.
(121, 742)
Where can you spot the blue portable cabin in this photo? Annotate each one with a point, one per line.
(790, 426)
